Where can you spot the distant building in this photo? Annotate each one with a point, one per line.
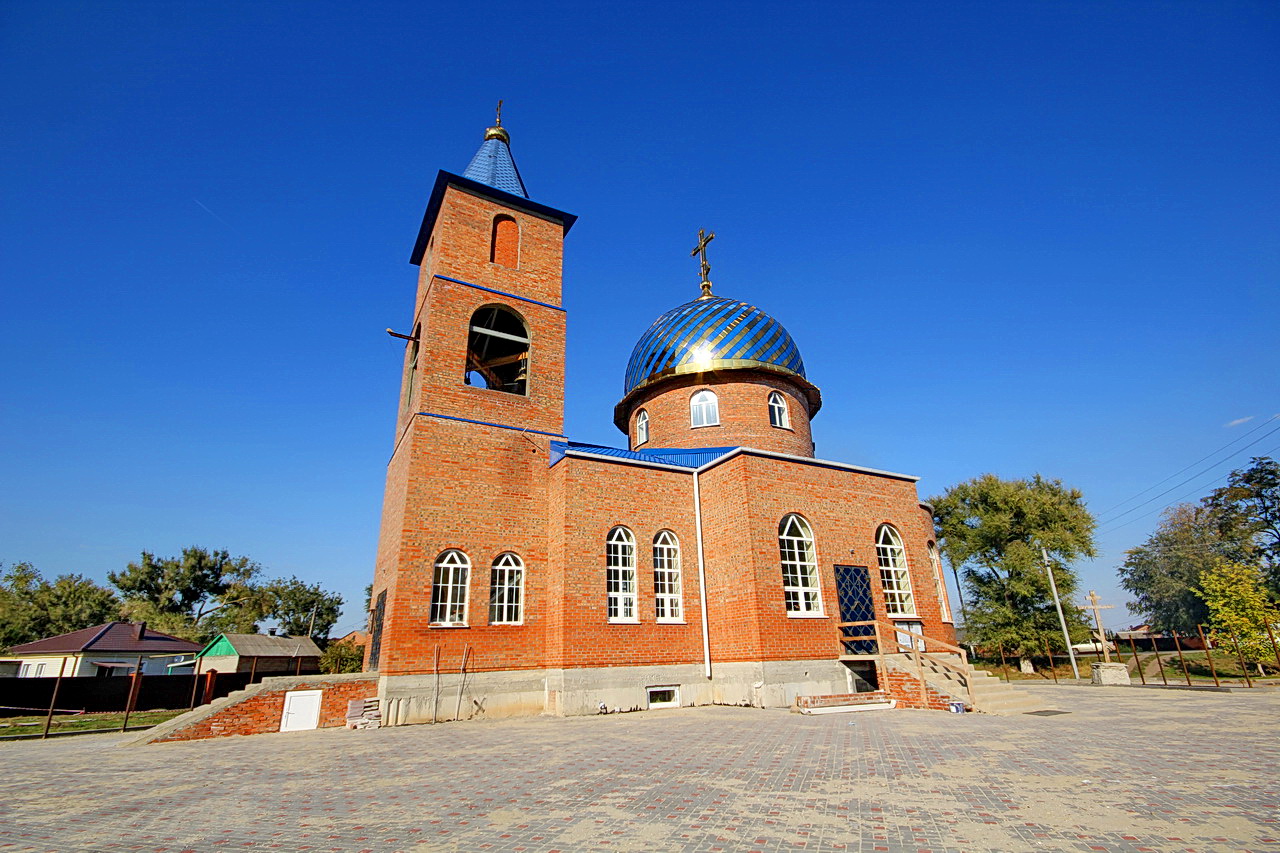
(260, 654)
(103, 650)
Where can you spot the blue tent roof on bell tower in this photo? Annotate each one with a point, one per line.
(493, 164)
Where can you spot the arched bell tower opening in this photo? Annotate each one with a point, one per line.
(498, 351)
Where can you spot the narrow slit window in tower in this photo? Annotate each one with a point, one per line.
(504, 249)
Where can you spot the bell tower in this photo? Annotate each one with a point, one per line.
(481, 398)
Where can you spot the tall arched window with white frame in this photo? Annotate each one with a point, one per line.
(944, 607)
(778, 415)
(620, 575)
(642, 427)
(800, 589)
(506, 590)
(704, 409)
(449, 588)
(666, 577)
(895, 578)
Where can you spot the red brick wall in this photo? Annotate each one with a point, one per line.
(260, 713)
(744, 413)
(597, 496)
(906, 689)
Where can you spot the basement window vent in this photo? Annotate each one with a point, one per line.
(664, 697)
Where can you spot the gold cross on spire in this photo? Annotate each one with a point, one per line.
(701, 249)
(498, 121)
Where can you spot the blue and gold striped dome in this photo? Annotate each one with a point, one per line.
(711, 333)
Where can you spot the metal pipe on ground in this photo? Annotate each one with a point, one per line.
(1208, 655)
(1244, 667)
(1137, 661)
(53, 700)
(1181, 659)
(462, 681)
(133, 694)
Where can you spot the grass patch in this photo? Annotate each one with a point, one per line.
(82, 722)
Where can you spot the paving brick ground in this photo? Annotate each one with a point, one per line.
(1126, 770)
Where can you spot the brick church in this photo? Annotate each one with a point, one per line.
(711, 558)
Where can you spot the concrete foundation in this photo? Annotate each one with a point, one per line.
(1109, 673)
(408, 699)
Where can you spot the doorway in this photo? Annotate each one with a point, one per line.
(853, 592)
(301, 710)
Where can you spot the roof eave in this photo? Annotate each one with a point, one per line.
(446, 179)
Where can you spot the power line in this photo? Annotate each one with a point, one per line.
(1182, 497)
(1192, 465)
(1194, 476)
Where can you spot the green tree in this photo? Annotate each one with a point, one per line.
(1164, 572)
(994, 529)
(1239, 610)
(196, 596)
(32, 607)
(343, 656)
(301, 608)
(1248, 508)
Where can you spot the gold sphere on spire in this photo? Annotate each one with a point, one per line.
(497, 131)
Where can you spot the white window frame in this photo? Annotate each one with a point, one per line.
(449, 587)
(704, 409)
(506, 590)
(642, 427)
(667, 589)
(674, 702)
(940, 580)
(779, 417)
(895, 573)
(797, 554)
(622, 604)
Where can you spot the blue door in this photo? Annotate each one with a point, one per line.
(853, 591)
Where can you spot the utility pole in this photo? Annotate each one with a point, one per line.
(1062, 620)
(311, 625)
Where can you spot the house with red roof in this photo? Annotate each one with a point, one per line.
(115, 648)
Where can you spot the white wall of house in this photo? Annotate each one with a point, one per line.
(47, 666)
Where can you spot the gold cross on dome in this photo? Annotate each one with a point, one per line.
(701, 249)
(498, 118)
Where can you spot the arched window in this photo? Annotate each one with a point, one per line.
(411, 366)
(704, 409)
(944, 607)
(666, 577)
(506, 588)
(504, 248)
(449, 589)
(894, 577)
(498, 351)
(799, 566)
(642, 427)
(620, 572)
(778, 416)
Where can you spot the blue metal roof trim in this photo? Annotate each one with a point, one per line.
(679, 457)
(710, 330)
(493, 165)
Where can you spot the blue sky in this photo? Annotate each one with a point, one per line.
(1007, 237)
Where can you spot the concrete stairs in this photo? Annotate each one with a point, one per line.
(842, 703)
(990, 694)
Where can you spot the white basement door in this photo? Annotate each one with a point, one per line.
(301, 710)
